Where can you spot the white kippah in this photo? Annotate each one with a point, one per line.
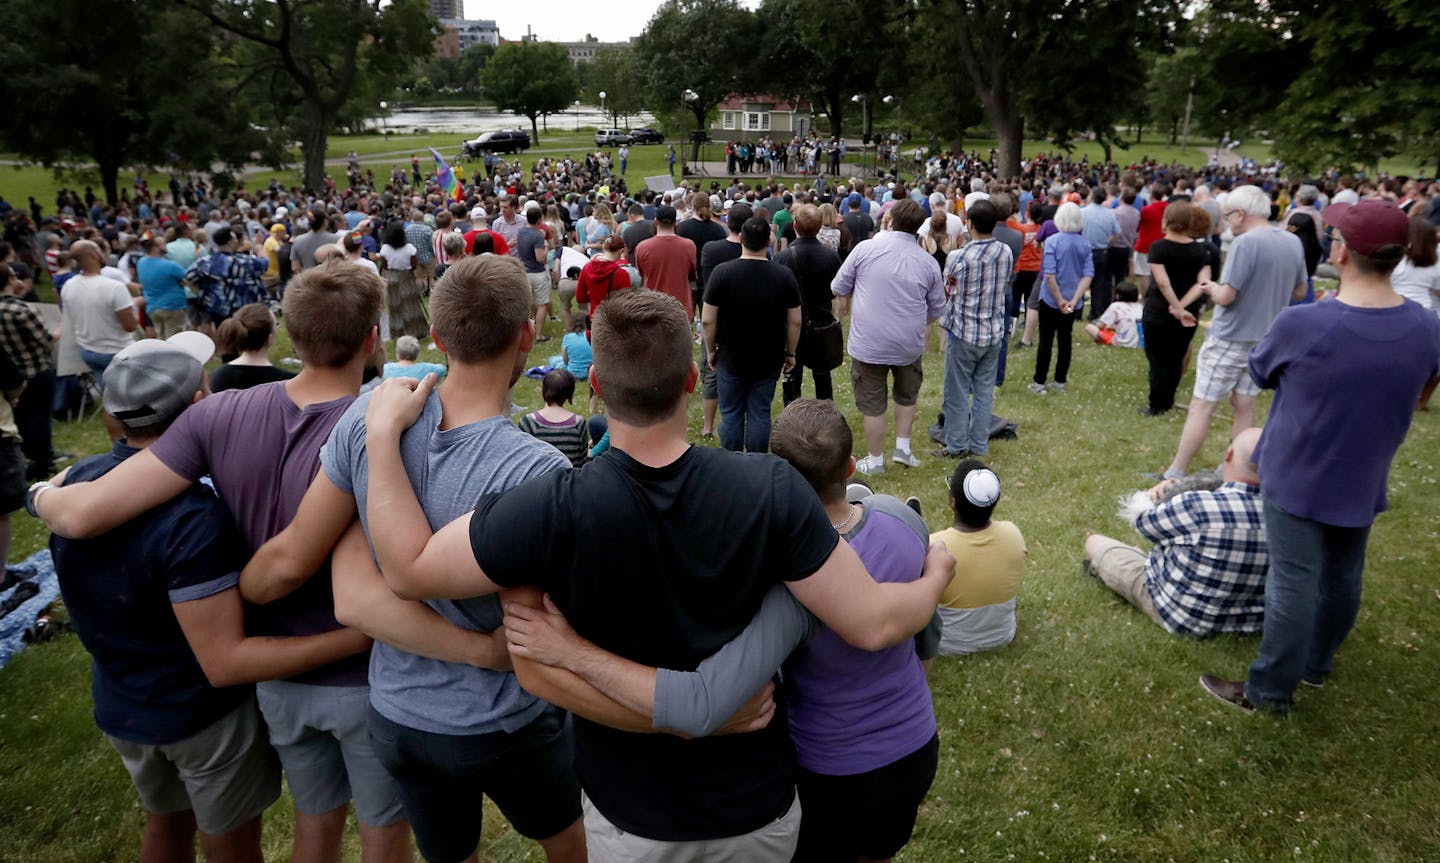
(982, 487)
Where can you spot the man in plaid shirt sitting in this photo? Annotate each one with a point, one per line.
(1206, 573)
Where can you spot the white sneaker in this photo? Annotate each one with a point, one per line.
(907, 459)
(1058, 387)
(1037, 389)
(870, 466)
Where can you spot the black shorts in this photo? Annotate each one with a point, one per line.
(529, 774)
(866, 815)
(12, 476)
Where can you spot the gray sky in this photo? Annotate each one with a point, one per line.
(570, 20)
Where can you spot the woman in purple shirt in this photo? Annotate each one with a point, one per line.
(1067, 270)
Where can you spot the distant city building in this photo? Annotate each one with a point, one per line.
(584, 52)
(443, 9)
(466, 33)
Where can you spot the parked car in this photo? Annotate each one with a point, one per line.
(646, 136)
(501, 141)
(611, 137)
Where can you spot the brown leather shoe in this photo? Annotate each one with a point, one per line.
(1232, 692)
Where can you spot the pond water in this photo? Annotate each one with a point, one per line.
(470, 122)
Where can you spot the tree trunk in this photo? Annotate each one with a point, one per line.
(313, 140)
(1010, 131)
(109, 167)
(1174, 130)
(1109, 151)
(534, 129)
(1139, 130)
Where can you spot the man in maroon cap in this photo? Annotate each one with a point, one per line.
(1346, 380)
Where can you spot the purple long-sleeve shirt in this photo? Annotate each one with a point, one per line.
(896, 289)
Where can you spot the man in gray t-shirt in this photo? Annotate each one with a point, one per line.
(448, 719)
(303, 247)
(1264, 272)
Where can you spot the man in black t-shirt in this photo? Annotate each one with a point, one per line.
(751, 321)
(714, 253)
(642, 552)
(814, 266)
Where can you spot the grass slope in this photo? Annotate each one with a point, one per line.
(1087, 738)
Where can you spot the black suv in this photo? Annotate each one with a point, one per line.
(646, 136)
(503, 141)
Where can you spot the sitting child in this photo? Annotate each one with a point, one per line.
(1120, 324)
(575, 352)
(556, 424)
(407, 361)
(978, 608)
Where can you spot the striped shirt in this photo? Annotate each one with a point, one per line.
(1206, 572)
(977, 276)
(571, 437)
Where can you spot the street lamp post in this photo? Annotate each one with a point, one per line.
(686, 97)
(602, 102)
(384, 120)
(577, 115)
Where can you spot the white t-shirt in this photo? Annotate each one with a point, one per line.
(365, 263)
(397, 259)
(1411, 282)
(91, 303)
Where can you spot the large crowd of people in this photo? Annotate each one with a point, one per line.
(401, 598)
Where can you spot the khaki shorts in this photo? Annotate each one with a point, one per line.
(1223, 367)
(566, 290)
(773, 843)
(167, 322)
(226, 774)
(869, 381)
(539, 288)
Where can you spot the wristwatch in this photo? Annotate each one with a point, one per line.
(32, 495)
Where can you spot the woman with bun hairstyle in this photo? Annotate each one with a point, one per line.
(246, 336)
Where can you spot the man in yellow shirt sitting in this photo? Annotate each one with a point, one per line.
(978, 608)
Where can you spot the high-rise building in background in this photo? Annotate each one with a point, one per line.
(447, 8)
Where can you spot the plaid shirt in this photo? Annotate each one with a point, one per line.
(228, 281)
(418, 235)
(23, 336)
(977, 275)
(1206, 572)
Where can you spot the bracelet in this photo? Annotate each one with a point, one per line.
(789, 353)
(32, 496)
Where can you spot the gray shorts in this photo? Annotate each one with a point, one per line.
(1223, 367)
(539, 288)
(1142, 263)
(322, 736)
(773, 843)
(226, 774)
(869, 382)
(709, 385)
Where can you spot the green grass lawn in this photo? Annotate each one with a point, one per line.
(1085, 738)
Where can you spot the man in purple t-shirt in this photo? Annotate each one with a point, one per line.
(1346, 375)
(261, 448)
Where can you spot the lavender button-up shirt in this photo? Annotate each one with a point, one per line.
(896, 289)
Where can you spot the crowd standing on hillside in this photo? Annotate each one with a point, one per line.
(332, 610)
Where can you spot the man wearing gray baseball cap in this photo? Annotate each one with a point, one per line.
(156, 603)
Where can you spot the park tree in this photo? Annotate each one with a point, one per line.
(311, 59)
(471, 63)
(74, 93)
(1367, 89)
(810, 51)
(614, 73)
(670, 64)
(1058, 66)
(530, 78)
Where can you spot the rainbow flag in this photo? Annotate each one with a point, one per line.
(446, 178)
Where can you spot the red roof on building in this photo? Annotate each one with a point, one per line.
(735, 102)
